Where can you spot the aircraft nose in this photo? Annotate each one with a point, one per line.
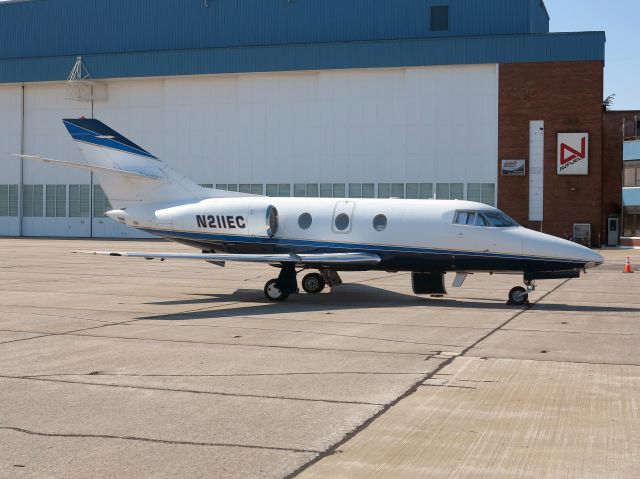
(590, 257)
(551, 246)
(582, 254)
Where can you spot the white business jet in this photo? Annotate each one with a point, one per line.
(428, 238)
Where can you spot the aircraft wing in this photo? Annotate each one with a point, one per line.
(71, 164)
(343, 259)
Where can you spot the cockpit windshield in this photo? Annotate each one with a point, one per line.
(496, 219)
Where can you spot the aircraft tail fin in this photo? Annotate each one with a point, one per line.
(124, 168)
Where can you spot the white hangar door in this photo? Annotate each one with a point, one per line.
(55, 200)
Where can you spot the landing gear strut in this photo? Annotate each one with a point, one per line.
(519, 296)
(286, 284)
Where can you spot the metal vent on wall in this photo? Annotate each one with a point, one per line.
(81, 87)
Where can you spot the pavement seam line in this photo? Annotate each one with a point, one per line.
(189, 391)
(247, 345)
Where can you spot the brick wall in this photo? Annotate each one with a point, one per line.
(568, 97)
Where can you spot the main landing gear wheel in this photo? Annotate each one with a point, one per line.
(518, 296)
(313, 283)
(272, 292)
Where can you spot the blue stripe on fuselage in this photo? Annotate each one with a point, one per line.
(333, 246)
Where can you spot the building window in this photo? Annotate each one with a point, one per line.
(333, 190)
(101, 203)
(631, 222)
(482, 193)
(355, 190)
(384, 190)
(632, 173)
(278, 189)
(326, 190)
(32, 200)
(390, 190)
(309, 190)
(250, 189)
(450, 191)
(207, 185)
(361, 190)
(9, 200)
(312, 190)
(79, 201)
(419, 191)
(440, 18)
(299, 190)
(225, 187)
(56, 201)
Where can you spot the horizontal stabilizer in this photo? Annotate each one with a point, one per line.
(344, 259)
(102, 169)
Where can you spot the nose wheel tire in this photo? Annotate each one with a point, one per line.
(272, 292)
(313, 283)
(518, 296)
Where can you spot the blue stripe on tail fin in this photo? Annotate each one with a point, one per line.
(97, 133)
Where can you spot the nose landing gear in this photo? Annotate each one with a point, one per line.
(273, 292)
(519, 296)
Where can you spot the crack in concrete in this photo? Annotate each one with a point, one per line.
(319, 373)
(157, 441)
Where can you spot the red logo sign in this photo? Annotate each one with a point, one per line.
(573, 153)
(568, 154)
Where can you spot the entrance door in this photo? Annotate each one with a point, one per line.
(613, 229)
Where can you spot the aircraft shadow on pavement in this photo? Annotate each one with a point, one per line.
(346, 297)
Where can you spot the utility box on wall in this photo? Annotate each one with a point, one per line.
(582, 234)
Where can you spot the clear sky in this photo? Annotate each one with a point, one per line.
(620, 19)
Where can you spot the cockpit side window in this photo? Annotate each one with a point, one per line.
(498, 219)
(461, 217)
(495, 219)
(480, 221)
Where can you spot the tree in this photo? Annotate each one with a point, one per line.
(607, 103)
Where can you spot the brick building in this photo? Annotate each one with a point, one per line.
(452, 99)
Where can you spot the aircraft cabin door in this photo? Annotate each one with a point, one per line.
(343, 217)
(613, 231)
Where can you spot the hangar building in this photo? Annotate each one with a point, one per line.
(469, 99)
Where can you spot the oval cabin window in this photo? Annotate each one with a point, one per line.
(304, 221)
(380, 222)
(342, 222)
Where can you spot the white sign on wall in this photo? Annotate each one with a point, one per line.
(514, 168)
(573, 153)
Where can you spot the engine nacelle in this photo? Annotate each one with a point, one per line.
(241, 216)
(263, 220)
